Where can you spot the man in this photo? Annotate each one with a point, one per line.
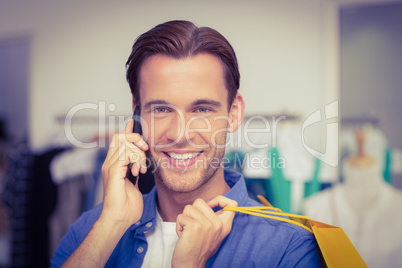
(184, 80)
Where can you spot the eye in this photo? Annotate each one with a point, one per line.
(160, 110)
(202, 110)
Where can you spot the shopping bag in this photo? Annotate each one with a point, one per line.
(336, 248)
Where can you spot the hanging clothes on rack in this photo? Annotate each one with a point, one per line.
(17, 196)
(365, 207)
(77, 174)
(30, 196)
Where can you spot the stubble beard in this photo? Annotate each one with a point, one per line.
(184, 181)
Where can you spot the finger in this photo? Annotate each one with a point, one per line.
(143, 167)
(112, 148)
(134, 137)
(123, 156)
(118, 143)
(137, 140)
(135, 155)
(181, 222)
(115, 157)
(204, 208)
(194, 213)
(135, 170)
(129, 127)
(138, 157)
(136, 185)
(222, 201)
(121, 159)
(128, 155)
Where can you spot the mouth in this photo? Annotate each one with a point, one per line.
(183, 156)
(182, 160)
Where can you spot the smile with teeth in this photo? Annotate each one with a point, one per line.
(182, 157)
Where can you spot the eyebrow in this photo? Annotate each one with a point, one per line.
(155, 102)
(206, 102)
(194, 103)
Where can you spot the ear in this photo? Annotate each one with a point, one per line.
(236, 113)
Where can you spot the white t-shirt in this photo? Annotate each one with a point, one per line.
(161, 243)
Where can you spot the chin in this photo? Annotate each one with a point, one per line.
(180, 182)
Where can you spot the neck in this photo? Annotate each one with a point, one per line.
(362, 185)
(171, 203)
(361, 160)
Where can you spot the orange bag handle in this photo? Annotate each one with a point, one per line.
(268, 211)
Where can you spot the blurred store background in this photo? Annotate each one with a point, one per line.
(322, 133)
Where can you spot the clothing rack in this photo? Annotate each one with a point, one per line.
(81, 119)
(283, 116)
(360, 121)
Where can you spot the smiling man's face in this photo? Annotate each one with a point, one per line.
(184, 104)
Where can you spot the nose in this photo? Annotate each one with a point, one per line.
(176, 129)
(184, 128)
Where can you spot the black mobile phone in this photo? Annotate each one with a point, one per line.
(145, 181)
(137, 120)
(136, 129)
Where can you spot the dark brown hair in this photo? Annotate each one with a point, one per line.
(180, 39)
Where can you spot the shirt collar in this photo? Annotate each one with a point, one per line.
(238, 189)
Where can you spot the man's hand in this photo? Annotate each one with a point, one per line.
(122, 201)
(201, 231)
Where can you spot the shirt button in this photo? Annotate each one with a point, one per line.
(140, 250)
(138, 223)
(149, 224)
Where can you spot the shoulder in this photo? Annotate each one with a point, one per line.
(86, 220)
(270, 227)
(264, 240)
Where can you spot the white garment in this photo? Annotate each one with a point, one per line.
(72, 163)
(368, 210)
(261, 135)
(161, 243)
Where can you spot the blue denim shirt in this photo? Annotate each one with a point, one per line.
(253, 241)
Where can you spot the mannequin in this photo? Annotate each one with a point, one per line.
(362, 178)
(365, 207)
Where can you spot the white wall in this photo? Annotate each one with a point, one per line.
(287, 51)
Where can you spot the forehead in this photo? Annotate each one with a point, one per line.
(170, 79)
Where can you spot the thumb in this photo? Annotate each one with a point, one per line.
(226, 216)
